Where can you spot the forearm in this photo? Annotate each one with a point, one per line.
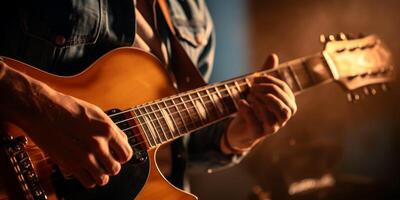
(23, 98)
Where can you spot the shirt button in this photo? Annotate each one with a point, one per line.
(59, 40)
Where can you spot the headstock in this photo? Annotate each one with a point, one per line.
(358, 63)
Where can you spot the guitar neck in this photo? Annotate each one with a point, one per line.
(164, 120)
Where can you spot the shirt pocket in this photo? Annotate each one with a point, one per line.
(191, 21)
(62, 23)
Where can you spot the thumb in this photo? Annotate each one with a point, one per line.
(272, 61)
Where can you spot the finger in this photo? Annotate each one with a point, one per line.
(276, 81)
(275, 105)
(106, 159)
(250, 117)
(120, 147)
(272, 61)
(84, 178)
(261, 89)
(268, 119)
(96, 171)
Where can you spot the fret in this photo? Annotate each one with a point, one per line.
(218, 100)
(197, 121)
(150, 124)
(151, 140)
(243, 83)
(238, 88)
(169, 118)
(208, 101)
(184, 113)
(162, 119)
(231, 96)
(248, 82)
(318, 69)
(175, 112)
(171, 112)
(303, 75)
(287, 77)
(201, 116)
(134, 132)
(276, 74)
(156, 120)
(226, 99)
(296, 79)
(213, 102)
(192, 121)
(204, 106)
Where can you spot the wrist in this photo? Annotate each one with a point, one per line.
(229, 148)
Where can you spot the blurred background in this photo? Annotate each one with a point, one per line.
(331, 149)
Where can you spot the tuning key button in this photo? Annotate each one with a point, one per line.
(331, 38)
(356, 97)
(349, 97)
(322, 38)
(342, 36)
(366, 91)
(353, 97)
(384, 87)
(372, 91)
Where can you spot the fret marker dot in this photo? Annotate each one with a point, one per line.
(168, 120)
(217, 101)
(152, 131)
(201, 110)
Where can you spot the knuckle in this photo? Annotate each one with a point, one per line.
(275, 88)
(286, 113)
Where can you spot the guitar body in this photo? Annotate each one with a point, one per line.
(118, 80)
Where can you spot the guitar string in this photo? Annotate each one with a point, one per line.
(264, 72)
(183, 119)
(157, 119)
(158, 129)
(181, 124)
(140, 143)
(179, 95)
(174, 106)
(198, 97)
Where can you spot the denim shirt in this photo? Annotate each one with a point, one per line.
(64, 37)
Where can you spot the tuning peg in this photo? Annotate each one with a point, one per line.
(369, 91)
(352, 97)
(384, 87)
(366, 91)
(342, 36)
(322, 38)
(331, 38)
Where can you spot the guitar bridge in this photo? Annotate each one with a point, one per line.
(23, 167)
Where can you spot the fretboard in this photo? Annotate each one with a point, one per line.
(166, 119)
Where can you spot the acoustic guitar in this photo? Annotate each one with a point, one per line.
(136, 92)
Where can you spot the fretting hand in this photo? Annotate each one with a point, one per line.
(268, 107)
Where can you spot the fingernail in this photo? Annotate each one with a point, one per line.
(104, 180)
(115, 169)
